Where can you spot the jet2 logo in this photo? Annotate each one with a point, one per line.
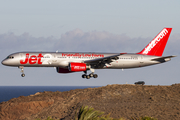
(155, 41)
(32, 59)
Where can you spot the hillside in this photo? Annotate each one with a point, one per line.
(161, 102)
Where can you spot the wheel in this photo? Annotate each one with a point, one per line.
(91, 75)
(83, 76)
(95, 75)
(87, 76)
(23, 75)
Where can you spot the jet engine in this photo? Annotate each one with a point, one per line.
(75, 67)
(62, 70)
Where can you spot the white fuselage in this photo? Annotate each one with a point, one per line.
(53, 59)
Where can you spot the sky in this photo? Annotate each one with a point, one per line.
(88, 26)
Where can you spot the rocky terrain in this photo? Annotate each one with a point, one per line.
(161, 102)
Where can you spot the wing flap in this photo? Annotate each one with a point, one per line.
(103, 60)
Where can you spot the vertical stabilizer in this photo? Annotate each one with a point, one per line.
(157, 45)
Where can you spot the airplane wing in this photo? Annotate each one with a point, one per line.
(161, 59)
(100, 62)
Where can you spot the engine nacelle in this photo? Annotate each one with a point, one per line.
(75, 67)
(62, 70)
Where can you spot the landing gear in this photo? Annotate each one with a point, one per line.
(87, 77)
(95, 75)
(84, 76)
(22, 70)
(23, 75)
(90, 75)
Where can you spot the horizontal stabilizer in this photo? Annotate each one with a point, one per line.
(167, 58)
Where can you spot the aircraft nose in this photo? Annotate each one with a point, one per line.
(4, 62)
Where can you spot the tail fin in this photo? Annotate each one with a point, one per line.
(157, 45)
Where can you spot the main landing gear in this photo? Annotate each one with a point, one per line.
(22, 71)
(90, 75)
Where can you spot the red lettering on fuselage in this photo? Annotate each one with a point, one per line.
(39, 60)
(26, 59)
(81, 55)
(32, 59)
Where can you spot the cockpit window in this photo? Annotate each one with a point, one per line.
(10, 57)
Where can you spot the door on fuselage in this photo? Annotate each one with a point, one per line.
(141, 59)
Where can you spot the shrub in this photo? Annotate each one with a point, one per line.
(86, 113)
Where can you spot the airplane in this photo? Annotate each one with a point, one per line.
(66, 62)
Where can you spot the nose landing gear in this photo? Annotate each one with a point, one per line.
(22, 70)
(23, 75)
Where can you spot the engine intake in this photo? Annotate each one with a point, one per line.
(62, 70)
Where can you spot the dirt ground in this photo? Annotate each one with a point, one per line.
(121, 101)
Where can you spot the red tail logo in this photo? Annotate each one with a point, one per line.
(157, 45)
